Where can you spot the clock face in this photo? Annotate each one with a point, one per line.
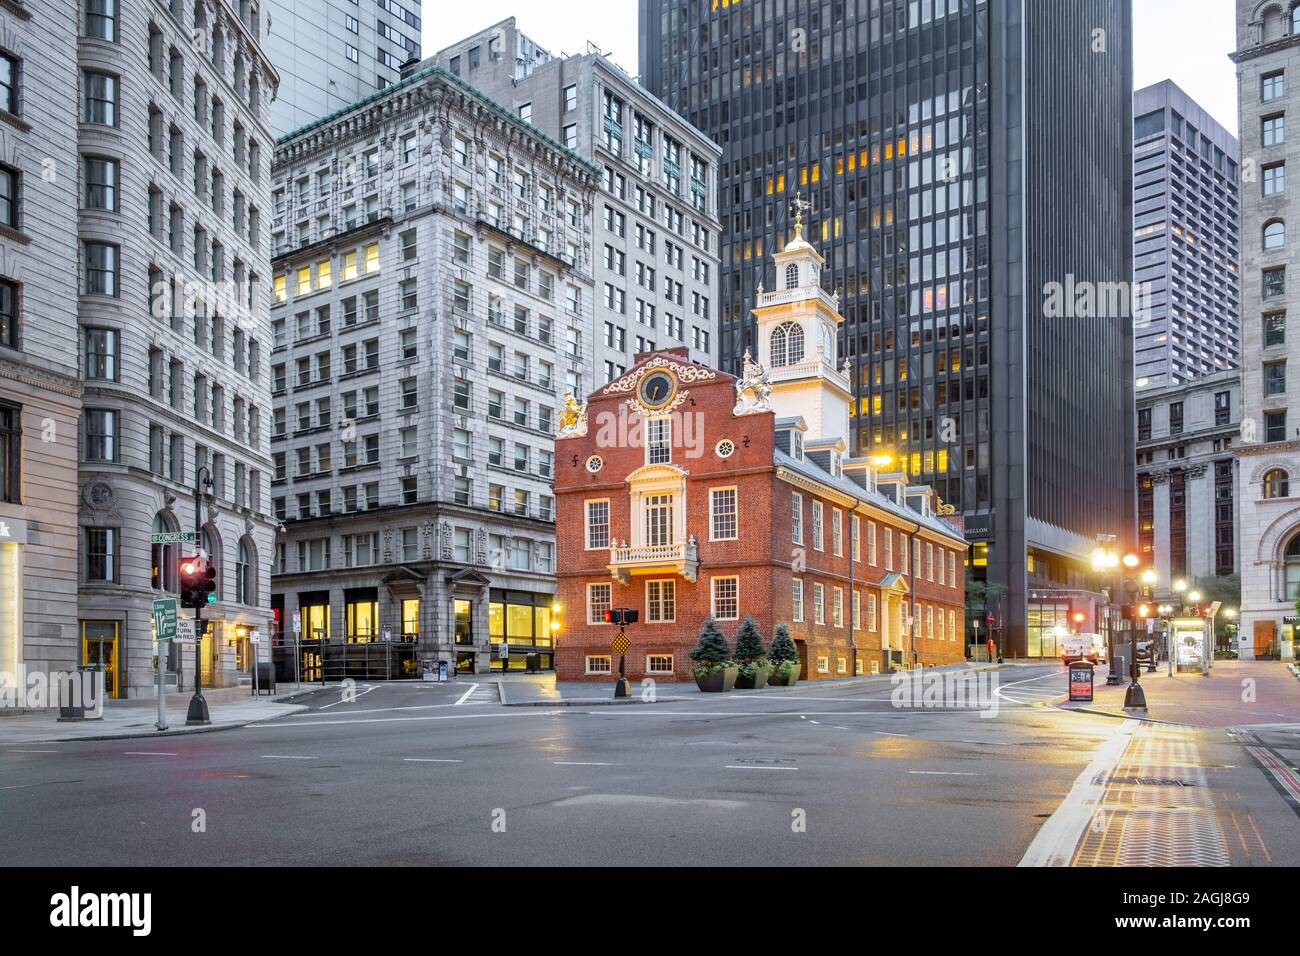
(657, 389)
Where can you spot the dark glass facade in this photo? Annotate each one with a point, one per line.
(960, 156)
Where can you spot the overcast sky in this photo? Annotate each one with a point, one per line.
(1187, 41)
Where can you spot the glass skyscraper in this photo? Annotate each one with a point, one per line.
(968, 163)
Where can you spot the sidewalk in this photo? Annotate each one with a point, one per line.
(543, 690)
(227, 707)
(1236, 694)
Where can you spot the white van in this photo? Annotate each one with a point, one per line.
(1078, 647)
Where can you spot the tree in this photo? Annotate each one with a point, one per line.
(712, 648)
(749, 642)
(782, 648)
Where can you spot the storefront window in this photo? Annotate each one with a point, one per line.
(362, 610)
(411, 619)
(1047, 623)
(315, 617)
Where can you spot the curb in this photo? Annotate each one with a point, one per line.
(597, 702)
(140, 735)
(1117, 715)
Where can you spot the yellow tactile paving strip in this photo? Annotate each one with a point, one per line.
(1158, 809)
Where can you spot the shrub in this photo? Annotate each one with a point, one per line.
(712, 650)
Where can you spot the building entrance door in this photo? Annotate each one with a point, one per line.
(99, 648)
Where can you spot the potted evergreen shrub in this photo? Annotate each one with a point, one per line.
(714, 670)
(784, 657)
(751, 661)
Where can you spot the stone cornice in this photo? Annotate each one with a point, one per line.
(1266, 448)
(433, 90)
(1264, 49)
(68, 385)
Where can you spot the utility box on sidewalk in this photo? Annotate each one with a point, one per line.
(81, 694)
(1081, 681)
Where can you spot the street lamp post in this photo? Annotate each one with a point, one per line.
(198, 710)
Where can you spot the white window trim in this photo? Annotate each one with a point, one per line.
(661, 581)
(837, 606)
(589, 605)
(672, 663)
(818, 525)
(871, 542)
(797, 610)
(586, 523)
(819, 603)
(712, 492)
(608, 659)
(823, 665)
(713, 596)
(796, 507)
(837, 532)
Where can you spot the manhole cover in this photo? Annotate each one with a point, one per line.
(1154, 781)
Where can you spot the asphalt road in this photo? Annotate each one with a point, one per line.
(443, 774)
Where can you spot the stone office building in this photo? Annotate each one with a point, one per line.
(657, 235)
(432, 305)
(174, 263)
(40, 394)
(1268, 73)
(1187, 481)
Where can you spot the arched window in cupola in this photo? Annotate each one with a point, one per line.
(786, 347)
(792, 276)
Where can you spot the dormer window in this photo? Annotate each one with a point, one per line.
(836, 469)
(792, 276)
(796, 444)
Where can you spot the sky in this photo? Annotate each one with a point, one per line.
(1187, 41)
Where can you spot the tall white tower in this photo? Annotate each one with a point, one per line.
(797, 326)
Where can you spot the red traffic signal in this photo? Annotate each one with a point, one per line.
(198, 582)
(621, 616)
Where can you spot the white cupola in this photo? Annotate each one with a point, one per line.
(797, 340)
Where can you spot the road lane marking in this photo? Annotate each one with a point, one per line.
(431, 760)
(385, 720)
(346, 700)
(286, 757)
(581, 763)
(885, 733)
(944, 773)
(465, 696)
(373, 710)
(1056, 841)
(736, 767)
(33, 751)
(147, 753)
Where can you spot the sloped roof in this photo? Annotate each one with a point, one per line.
(847, 486)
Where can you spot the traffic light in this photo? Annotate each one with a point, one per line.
(621, 616)
(198, 582)
(189, 567)
(208, 584)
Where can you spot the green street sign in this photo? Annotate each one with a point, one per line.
(164, 619)
(173, 537)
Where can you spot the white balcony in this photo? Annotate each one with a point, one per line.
(681, 558)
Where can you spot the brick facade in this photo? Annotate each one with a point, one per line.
(764, 556)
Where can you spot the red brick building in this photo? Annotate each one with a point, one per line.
(685, 493)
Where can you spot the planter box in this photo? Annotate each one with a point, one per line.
(776, 680)
(723, 679)
(757, 682)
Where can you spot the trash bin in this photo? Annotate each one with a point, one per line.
(534, 662)
(265, 683)
(1081, 680)
(81, 695)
